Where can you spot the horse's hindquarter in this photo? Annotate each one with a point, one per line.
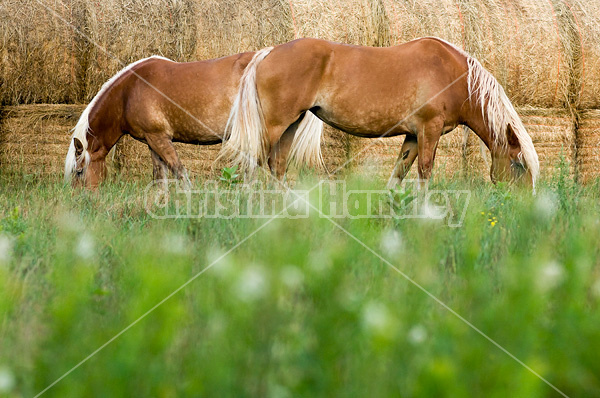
(372, 91)
(189, 101)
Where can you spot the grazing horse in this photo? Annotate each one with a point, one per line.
(422, 89)
(158, 101)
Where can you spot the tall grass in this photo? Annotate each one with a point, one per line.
(300, 308)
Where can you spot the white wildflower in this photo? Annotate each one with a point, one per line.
(252, 284)
(292, 277)
(7, 380)
(219, 262)
(6, 248)
(433, 211)
(175, 244)
(85, 246)
(546, 204)
(378, 320)
(417, 334)
(391, 243)
(319, 262)
(550, 276)
(596, 288)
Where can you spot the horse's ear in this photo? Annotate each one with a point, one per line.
(511, 137)
(78, 146)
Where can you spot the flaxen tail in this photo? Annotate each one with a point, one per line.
(306, 146)
(245, 140)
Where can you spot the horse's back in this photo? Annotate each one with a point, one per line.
(364, 90)
(190, 100)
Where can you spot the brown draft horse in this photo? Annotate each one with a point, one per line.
(422, 89)
(158, 101)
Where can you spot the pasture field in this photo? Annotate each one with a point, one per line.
(299, 307)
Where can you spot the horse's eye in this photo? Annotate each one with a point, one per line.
(518, 166)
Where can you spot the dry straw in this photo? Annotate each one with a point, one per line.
(134, 159)
(588, 146)
(34, 137)
(545, 53)
(553, 135)
(586, 15)
(125, 31)
(38, 52)
(228, 27)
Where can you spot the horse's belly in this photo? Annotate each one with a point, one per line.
(197, 130)
(364, 123)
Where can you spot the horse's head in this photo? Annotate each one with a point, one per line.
(77, 164)
(509, 163)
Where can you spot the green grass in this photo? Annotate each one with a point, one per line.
(300, 308)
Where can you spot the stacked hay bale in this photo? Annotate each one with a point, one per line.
(134, 160)
(587, 20)
(39, 51)
(124, 32)
(226, 27)
(553, 135)
(586, 15)
(33, 137)
(361, 22)
(588, 146)
(544, 53)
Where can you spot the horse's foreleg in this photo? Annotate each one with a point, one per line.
(278, 156)
(162, 146)
(160, 169)
(428, 139)
(408, 154)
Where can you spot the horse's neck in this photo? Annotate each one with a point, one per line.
(476, 122)
(104, 132)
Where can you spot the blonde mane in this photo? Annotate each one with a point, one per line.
(498, 111)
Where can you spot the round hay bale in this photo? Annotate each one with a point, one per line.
(133, 159)
(586, 16)
(228, 27)
(361, 22)
(552, 132)
(124, 32)
(378, 156)
(335, 147)
(553, 135)
(40, 52)
(588, 146)
(522, 43)
(34, 139)
(410, 20)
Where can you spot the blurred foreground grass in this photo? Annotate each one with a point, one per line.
(300, 308)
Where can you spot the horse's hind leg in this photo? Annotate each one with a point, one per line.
(278, 156)
(408, 154)
(163, 147)
(428, 139)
